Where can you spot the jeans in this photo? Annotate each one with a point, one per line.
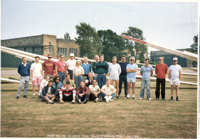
(78, 79)
(83, 97)
(101, 79)
(22, 80)
(147, 83)
(62, 76)
(122, 78)
(70, 72)
(158, 82)
(103, 95)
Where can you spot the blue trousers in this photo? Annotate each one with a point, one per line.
(122, 78)
(78, 79)
(83, 97)
(103, 95)
(62, 76)
(147, 83)
(101, 79)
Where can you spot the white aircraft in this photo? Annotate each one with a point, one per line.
(30, 57)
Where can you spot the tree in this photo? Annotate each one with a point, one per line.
(139, 48)
(194, 48)
(66, 36)
(88, 40)
(113, 44)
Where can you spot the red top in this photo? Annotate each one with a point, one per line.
(67, 92)
(48, 65)
(81, 90)
(161, 70)
(61, 66)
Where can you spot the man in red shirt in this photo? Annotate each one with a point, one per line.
(161, 71)
(82, 93)
(48, 66)
(60, 68)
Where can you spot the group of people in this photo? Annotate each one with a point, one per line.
(75, 81)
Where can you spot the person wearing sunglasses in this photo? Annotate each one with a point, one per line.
(131, 76)
(58, 85)
(48, 66)
(60, 68)
(161, 71)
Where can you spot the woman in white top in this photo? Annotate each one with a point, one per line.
(114, 70)
(94, 91)
(77, 73)
(44, 83)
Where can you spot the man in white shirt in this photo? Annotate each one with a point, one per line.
(94, 91)
(36, 74)
(114, 70)
(174, 77)
(71, 63)
(108, 92)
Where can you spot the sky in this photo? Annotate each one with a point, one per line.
(169, 24)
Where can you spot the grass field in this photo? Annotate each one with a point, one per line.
(120, 118)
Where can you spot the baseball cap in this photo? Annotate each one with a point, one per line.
(175, 59)
(71, 54)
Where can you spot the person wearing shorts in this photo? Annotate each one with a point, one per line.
(131, 76)
(36, 74)
(174, 77)
(114, 70)
(67, 93)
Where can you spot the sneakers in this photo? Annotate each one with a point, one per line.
(156, 99)
(163, 99)
(62, 102)
(170, 99)
(17, 97)
(111, 100)
(134, 98)
(79, 101)
(140, 98)
(117, 97)
(127, 97)
(73, 101)
(96, 100)
(177, 100)
(85, 101)
(50, 102)
(25, 96)
(149, 98)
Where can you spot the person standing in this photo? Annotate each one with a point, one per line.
(146, 71)
(77, 73)
(60, 68)
(36, 74)
(94, 65)
(122, 76)
(71, 63)
(87, 68)
(24, 71)
(161, 71)
(101, 70)
(175, 77)
(115, 70)
(131, 76)
(48, 66)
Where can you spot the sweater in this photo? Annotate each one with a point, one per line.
(24, 70)
(102, 68)
(123, 68)
(94, 66)
(80, 90)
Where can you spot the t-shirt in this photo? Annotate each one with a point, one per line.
(161, 70)
(36, 67)
(114, 70)
(94, 89)
(146, 72)
(43, 83)
(71, 64)
(108, 90)
(48, 65)
(174, 71)
(61, 66)
(78, 70)
(131, 75)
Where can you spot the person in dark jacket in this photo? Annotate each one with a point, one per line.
(82, 93)
(88, 81)
(24, 71)
(49, 92)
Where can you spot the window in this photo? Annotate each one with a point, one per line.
(29, 49)
(73, 50)
(62, 51)
(50, 49)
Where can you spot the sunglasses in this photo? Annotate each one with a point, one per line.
(57, 79)
(62, 57)
(132, 60)
(160, 59)
(49, 57)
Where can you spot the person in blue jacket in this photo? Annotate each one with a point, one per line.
(58, 85)
(86, 67)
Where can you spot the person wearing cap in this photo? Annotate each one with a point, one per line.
(48, 66)
(87, 67)
(49, 92)
(174, 77)
(60, 68)
(67, 79)
(77, 73)
(94, 65)
(71, 63)
(161, 71)
(146, 71)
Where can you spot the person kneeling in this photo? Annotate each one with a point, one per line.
(108, 92)
(94, 91)
(67, 93)
(82, 93)
(49, 92)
